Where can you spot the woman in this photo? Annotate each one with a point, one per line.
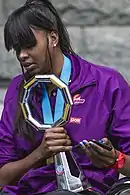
(100, 111)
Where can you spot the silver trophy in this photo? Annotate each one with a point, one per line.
(69, 175)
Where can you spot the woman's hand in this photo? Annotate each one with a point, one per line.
(55, 140)
(98, 155)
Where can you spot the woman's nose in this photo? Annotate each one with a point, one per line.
(23, 55)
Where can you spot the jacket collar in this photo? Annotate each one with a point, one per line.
(82, 75)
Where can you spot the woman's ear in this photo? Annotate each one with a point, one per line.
(53, 39)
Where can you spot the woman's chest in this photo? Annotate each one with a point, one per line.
(89, 116)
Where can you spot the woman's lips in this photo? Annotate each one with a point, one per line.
(30, 67)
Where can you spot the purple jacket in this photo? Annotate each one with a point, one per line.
(101, 109)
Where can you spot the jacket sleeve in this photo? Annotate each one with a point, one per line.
(119, 131)
(7, 145)
(7, 141)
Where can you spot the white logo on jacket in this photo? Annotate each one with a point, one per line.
(78, 100)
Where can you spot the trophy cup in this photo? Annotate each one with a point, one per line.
(69, 175)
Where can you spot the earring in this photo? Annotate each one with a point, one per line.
(54, 45)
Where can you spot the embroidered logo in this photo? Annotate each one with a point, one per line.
(78, 100)
(60, 170)
(75, 120)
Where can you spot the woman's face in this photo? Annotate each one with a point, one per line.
(36, 60)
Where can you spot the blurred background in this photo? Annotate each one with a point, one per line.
(99, 31)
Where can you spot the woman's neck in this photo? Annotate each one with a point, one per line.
(58, 64)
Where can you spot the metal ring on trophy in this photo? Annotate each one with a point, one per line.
(66, 178)
(25, 103)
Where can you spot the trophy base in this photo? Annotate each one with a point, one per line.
(89, 192)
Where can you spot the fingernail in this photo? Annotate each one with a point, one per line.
(82, 145)
(91, 144)
(85, 142)
(101, 141)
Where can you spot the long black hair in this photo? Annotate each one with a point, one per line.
(36, 14)
(42, 15)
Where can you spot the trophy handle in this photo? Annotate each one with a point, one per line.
(69, 176)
